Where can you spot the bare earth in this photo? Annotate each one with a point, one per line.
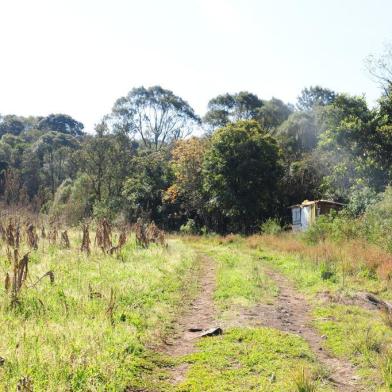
(200, 315)
(289, 313)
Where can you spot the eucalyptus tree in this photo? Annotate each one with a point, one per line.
(154, 116)
(227, 108)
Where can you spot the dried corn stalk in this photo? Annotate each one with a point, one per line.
(32, 237)
(85, 247)
(52, 235)
(103, 236)
(65, 240)
(15, 283)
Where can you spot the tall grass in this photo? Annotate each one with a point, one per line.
(91, 329)
(351, 256)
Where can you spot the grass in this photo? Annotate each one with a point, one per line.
(359, 335)
(355, 264)
(246, 359)
(96, 327)
(243, 359)
(241, 280)
(65, 337)
(354, 333)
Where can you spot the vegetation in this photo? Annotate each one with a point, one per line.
(95, 289)
(254, 159)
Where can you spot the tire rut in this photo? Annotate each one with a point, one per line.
(291, 313)
(201, 314)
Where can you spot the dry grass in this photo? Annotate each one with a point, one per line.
(350, 255)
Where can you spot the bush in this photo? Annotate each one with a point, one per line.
(271, 226)
(72, 201)
(189, 227)
(361, 197)
(318, 231)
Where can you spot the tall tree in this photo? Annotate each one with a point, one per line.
(315, 96)
(154, 116)
(273, 113)
(61, 123)
(187, 188)
(241, 172)
(227, 108)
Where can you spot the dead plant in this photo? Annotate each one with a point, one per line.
(141, 233)
(85, 247)
(111, 307)
(65, 240)
(10, 235)
(13, 284)
(52, 235)
(32, 237)
(103, 236)
(25, 384)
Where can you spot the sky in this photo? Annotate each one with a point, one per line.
(78, 56)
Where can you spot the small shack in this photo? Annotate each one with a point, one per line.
(305, 214)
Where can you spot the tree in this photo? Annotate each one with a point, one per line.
(106, 161)
(241, 171)
(11, 124)
(144, 188)
(315, 96)
(61, 123)
(52, 149)
(227, 108)
(298, 134)
(155, 116)
(380, 68)
(273, 113)
(187, 189)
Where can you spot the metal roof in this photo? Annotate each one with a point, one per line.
(311, 202)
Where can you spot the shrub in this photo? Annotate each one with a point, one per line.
(189, 227)
(271, 226)
(377, 221)
(319, 230)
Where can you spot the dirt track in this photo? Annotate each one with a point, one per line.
(290, 313)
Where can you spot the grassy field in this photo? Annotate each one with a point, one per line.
(100, 325)
(92, 329)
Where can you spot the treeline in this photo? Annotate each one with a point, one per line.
(251, 159)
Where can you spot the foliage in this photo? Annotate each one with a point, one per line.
(93, 327)
(241, 170)
(315, 96)
(227, 108)
(186, 189)
(189, 227)
(61, 123)
(271, 226)
(155, 115)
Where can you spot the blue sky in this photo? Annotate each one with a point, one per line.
(78, 56)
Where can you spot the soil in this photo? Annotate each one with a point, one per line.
(289, 313)
(198, 317)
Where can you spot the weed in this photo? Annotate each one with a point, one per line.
(304, 382)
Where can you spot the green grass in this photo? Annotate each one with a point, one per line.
(316, 277)
(62, 339)
(259, 359)
(241, 280)
(358, 335)
(352, 332)
(245, 359)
